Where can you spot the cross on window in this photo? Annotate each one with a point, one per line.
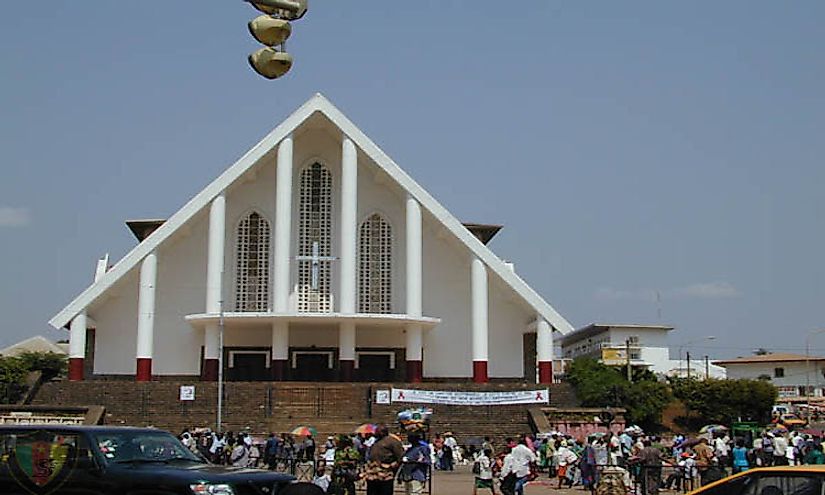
(316, 260)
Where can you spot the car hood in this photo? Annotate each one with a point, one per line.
(212, 473)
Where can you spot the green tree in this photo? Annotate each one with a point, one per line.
(598, 385)
(50, 364)
(13, 374)
(724, 401)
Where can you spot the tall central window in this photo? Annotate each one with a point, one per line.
(252, 269)
(375, 266)
(314, 240)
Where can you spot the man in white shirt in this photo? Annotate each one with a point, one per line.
(522, 457)
(780, 448)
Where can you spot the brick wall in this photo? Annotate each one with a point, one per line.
(280, 406)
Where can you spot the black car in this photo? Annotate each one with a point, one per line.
(45, 459)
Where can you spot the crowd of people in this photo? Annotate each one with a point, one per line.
(382, 458)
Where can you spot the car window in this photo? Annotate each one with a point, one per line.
(129, 446)
(736, 486)
(789, 484)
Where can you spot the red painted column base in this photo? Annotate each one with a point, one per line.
(415, 371)
(545, 371)
(76, 369)
(278, 369)
(144, 370)
(346, 370)
(480, 372)
(210, 370)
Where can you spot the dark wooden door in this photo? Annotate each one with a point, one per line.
(374, 368)
(249, 368)
(312, 368)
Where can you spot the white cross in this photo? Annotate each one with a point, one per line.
(316, 260)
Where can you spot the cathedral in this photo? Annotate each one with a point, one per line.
(314, 257)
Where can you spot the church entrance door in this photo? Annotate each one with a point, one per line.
(249, 367)
(375, 368)
(312, 367)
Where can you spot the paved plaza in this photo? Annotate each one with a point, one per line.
(460, 481)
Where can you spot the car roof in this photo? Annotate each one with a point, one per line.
(809, 468)
(80, 428)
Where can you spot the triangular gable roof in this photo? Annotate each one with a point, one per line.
(317, 103)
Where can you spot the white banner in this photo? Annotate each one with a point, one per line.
(471, 398)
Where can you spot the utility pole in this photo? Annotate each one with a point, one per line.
(688, 365)
(627, 359)
(707, 368)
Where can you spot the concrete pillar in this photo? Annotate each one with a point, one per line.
(415, 342)
(146, 317)
(349, 257)
(280, 350)
(479, 320)
(214, 285)
(77, 347)
(346, 351)
(544, 350)
(415, 370)
(281, 262)
(283, 227)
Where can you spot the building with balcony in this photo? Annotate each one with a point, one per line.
(610, 344)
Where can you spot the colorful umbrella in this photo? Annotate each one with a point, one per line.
(712, 428)
(304, 431)
(366, 428)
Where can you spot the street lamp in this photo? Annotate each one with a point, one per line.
(808, 371)
(685, 344)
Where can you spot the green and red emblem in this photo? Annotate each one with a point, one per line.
(41, 461)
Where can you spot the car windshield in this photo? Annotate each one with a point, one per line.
(142, 446)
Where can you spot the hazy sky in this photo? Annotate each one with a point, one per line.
(627, 147)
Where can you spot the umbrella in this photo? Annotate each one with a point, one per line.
(366, 428)
(689, 442)
(712, 428)
(304, 431)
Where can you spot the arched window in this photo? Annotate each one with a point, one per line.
(252, 269)
(375, 266)
(314, 240)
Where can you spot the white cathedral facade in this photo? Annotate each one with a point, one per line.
(313, 257)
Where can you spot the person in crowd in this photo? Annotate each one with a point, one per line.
(384, 459)
(345, 466)
(815, 455)
(507, 474)
(740, 457)
(448, 457)
(271, 451)
(487, 444)
(704, 459)
(322, 479)
(484, 473)
(650, 459)
(523, 459)
(780, 450)
(240, 453)
(564, 459)
(309, 448)
(415, 465)
(588, 467)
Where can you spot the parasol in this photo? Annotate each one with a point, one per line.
(304, 431)
(713, 429)
(366, 428)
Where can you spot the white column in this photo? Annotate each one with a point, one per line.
(77, 336)
(349, 226)
(544, 350)
(214, 272)
(479, 310)
(283, 227)
(413, 258)
(346, 342)
(146, 306)
(414, 342)
(146, 316)
(77, 347)
(280, 341)
(544, 341)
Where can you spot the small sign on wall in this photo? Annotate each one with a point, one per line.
(382, 396)
(187, 392)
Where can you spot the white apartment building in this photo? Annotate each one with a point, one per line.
(791, 373)
(609, 343)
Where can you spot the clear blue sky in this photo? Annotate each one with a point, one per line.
(628, 147)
